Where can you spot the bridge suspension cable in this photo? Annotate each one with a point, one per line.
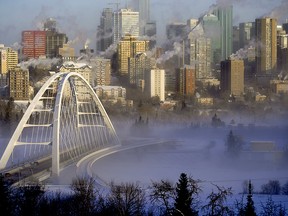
(65, 121)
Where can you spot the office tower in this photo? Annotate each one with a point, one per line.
(266, 49)
(54, 41)
(212, 30)
(200, 52)
(185, 81)
(128, 47)
(155, 83)
(138, 66)
(282, 51)
(105, 30)
(144, 10)
(34, 44)
(8, 59)
(19, 84)
(232, 77)
(236, 39)
(225, 16)
(150, 30)
(246, 33)
(126, 21)
(285, 26)
(101, 71)
(176, 31)
(143, 6)
(200, 57)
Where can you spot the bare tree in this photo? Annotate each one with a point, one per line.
(127, 199)
(217, 202)
(84, 195)
(162, 195)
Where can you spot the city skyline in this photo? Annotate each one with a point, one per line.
(79, 20)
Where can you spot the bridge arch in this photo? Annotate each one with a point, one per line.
(66, 107)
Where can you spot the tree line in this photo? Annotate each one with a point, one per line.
(129, 199)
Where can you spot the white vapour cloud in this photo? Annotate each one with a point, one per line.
(35, 62)
(177, 50)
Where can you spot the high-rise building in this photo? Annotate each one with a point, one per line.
(285, 26)
(54, 41)
(105, 30)
(266, 49)
(200, 52)
(185, 81)
(176, 31)
(236, 39)
(232, 77)
(34, 44)
(246, 33)
(128, 47)
(19, 84)
(143, 6)
(101, 71)
(138, 66)
(150, 30)
(155, 83)
(212, 30)
(8, 59)
(200, 57)
(225, 16)
(282, 51)
(126, 21)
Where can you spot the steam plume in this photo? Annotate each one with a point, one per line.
(35, 62)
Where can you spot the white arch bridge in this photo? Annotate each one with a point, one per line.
(64, 122)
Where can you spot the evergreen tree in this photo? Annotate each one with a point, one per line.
(183, 199)
(233, 144)
(249, 208)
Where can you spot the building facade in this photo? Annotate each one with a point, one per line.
(101, 71)
(155, 83)
(54, 42)
(8, 59)
(225, 17)
(105, 30)
(185, 81)
(126, 22)
(138, 66)
(246, 33)
(212, 30)
(143, 6)
(266, 49)
(232, 77)
(127, 48)
(34, 44)
(201, 57)
(19, 84)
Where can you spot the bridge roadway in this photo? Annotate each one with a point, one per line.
(40, 170)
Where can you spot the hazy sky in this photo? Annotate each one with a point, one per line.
(79, 19)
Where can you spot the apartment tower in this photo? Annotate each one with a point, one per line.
(266, 49)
